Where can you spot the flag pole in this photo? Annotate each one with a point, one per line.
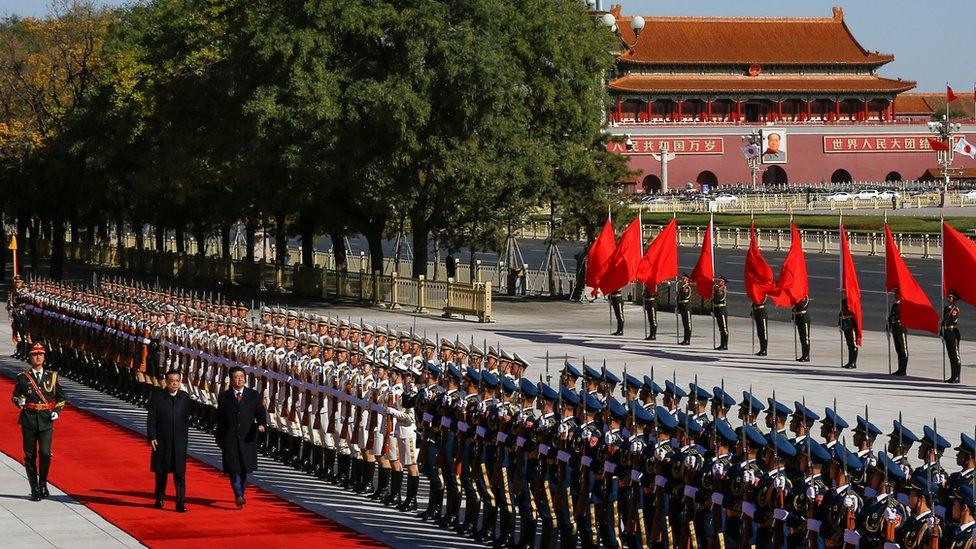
(677, 335)
(711, 256)
(841, 236)
(752, 312)
(793, 316)
(887, 294)
(942, 279)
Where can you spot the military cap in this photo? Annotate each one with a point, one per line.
(885, 463)
(527, 388)
(569, 397)
(433, 369)
(508, 385)
(817, 452)
(641, 414)
(169, 308)
(405, 336)
(519, 360)
(460, 347)
(725, 431)
(666, 423)
(590, 373)
(503, 355)
(472, 375)
(780, 444)
(476, 351)
(632, 382)
(355, 327)
(966, 444)
(720, 397)
(265, 310)
(548, 393)
(380, 330)
(492, 351)
(964, 494)
(920, 483)
(591, 403)
(697, 392)
(617, 410)
(368, 329)
(428, 343)
(933, 439)
(670, 387)
(899, 430)
(866, 427)
(489, 379)
(781, 409)
(832, 418)
(651, 386)
(381, 363)
(846, 457)
(753, 436)
(279, 332)
(453, 372)
(445, 344)
(291, 314)
(610, 377)
(806, 413)
(343, 323)
(401, 367)
(571, 371)
(37, 349)
(313, 342)
(689, 424)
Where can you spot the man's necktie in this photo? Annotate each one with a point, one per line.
(239, 397)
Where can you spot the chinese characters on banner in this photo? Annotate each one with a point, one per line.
(878, 143)
(677, 145)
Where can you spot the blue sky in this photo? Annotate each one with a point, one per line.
(931, 41)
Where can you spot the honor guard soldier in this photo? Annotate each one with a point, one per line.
(522, 461)
(749, 409)
(721, 312)
(831, 427)
(485, 433)
(950, 333)
(658, 464)
(841, 504)
(761, 319)
(774, 491)
(883, 515)
(900, 441)
(722, 439)
(567, 463)
(686, 470)
(921, 524)
(684, 308)
(467, 410)
(801, 318)
(744, 478)
(616, 300)
(502, 422)
(449, 409)
(809, 489)
(650, 309)
(38, 394)
(965, 459)
(545, 436)
(898, 334)
(585, 444)
(848, 326)
(864, 434)
(963, 535)
(606, 464)
(930, 452)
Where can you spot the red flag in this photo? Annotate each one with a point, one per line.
(916, 309)
(622, 265)
(958, 264)
(758, 275)
(852, 287)
(950, 95)
(599, 254)
(937, 145)
(792, 285)
(704, 273)
(660, 261)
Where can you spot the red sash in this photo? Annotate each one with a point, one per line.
(40, 394)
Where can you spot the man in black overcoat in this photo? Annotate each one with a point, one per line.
(240, 417)
(168, 430)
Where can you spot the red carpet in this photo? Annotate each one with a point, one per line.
(106, 467)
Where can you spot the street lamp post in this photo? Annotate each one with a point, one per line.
(944, 130)
(753, 154)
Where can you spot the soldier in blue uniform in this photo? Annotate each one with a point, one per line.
(608, 460)
(522, 462)
(656, 478)
(467, 448)
(809, 489)
(744, 478)
(883, 515)
(567, 463)
(841, 504)
(775, 489)
(963, 534)
(544, 436)
(585, 443)
(921, 524)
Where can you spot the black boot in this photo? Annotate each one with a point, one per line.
(487, 531)
(342, 469)
(433, 504)
(312, 459)
(326, 470)
(289, 447)
(410, 502)
(45, 466)
(392, 499)
(355, 465)
(263, 441)
(471, 506)
(366, 482)
(382, 484)
(274, 439)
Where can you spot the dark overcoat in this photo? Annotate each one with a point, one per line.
(168, 423)
(237, 430)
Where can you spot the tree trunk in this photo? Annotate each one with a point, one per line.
(374, 237)
(57, 250)
(119, 233)
(140, 238)
(225, 241)
(281, 240)
(339, 250)
(34, 237)
(419, 233)
(306, 223)
(437, 256)
(200, 235)
(249, 229)
(89, 236)
(180, 240)
(75, 233)
(160, 238)
(472, 263)
(103, 233)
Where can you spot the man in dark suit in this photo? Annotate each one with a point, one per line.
(168, 429)
(38, 395)
(240, 417)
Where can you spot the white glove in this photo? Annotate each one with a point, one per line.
(931, 522)
(780, 514)
(660, 454)
(779, 482)
(890, 514)
(21, 402)
(718, 498)
(811, 493)
(660, 481)
(718, 469)
(813, 525)
(690, 491)
(54, 416)
(748, 509)
(851, 537)
(691, 462)
(850, 502)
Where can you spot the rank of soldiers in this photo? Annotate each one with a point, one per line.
(593, 460)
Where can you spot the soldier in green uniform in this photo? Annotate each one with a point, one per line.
(847, 325)
(38, 395)
(898, 334)
(950, 333)
(684, 308)
(650, 309)
(617, 306)
(721, 312)
(761, 318)
(801, 317)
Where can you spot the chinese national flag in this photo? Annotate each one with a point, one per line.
(704, 273)
(937, 145)
(622, 265)
(758, 275)
(916, 309)
(958, 264)
(660, 261)
(950, 95)
(852, 287)
(792, 285)
(599, 254)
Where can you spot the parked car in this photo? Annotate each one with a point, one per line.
(888, 195)
(969, 195)
(867, 194)
(726, 199)
(839, 197)
(652, 199)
